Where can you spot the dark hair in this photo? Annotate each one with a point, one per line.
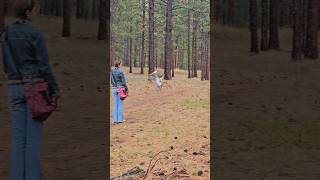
(20, 7)
(117, 63)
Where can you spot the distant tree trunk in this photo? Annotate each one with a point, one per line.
(188, 45)
(231, 10)
(151, 37)
(66, 30)
(130, 55)
(78, 9)
(274, 25)
(102, 20)
(216, 10)
(125, 53)
(207, 59)
(155, 52)
(2, 16)
(136, 52)
(264, 25)
(284, 13)
(318, 16)
(173, 62)
(202, 52)
(161, 61)
(312, 31)
(254, 26)
(94, 9)
(168, 48)
(305, 24)
(181, 58)
(297, 49)
(142, 58)
(194, 45)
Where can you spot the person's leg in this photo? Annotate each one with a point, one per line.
(120, 110)
(115, 106)
(18, 113)
(33, 148)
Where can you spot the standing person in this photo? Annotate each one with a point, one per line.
(25, 62)
(117, 81)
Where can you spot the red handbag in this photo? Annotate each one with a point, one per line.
(122, 93)
(39, 101)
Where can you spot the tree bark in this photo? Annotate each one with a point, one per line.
(274, 25)
(188, 45)
(2, 16)
(264, 25)
(297, 49)
(194, 45)
(130, 54)
(216, 10)
(168, 48)
(142, 58)
(67, 8)
(151, 37)
(102, 32)
(311, 50)
(231, 10)
(254, 26)
(207, 58)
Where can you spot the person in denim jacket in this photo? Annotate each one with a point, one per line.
(25, 60)
(117, 81)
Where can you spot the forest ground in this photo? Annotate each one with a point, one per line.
(267, 111)
(74, 137)
(178, 116)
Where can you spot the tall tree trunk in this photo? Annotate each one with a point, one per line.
(305, 24)
(151, 37)
(264, 25)
(136, 52)
(67, 8)
(102, 20)
(274, 25)
(94, 9)
(312, 31)
(207, 58)
(130, 52)
(194, 45)
(254, 26)
(125, 53)
(142, 58)
(231, 10)
(216, 10)
(161, 61)
(78, 13)
(284, 13)
(168, 47)
(155, 52)
(202, 51)
(297, 49)
(2, 16)
(188, 44)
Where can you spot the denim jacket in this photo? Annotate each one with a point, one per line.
(25, 54)
(118, 79)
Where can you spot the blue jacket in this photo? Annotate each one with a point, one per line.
(25, 54)
(118, 79)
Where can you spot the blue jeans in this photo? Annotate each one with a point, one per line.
(26, 138)
(117, 107)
